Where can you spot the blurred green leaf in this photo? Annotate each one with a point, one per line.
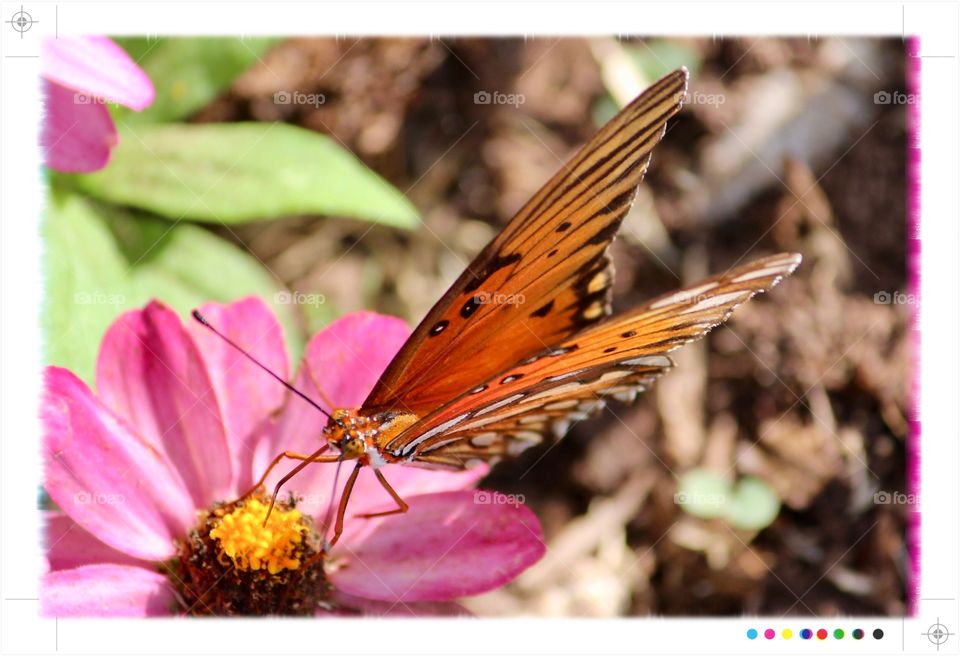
(238, 172)
(658, 57)
(702, 493)
(750, 504)
(86, 284)
(753, 506)
(101, 261)
(188, 73)
(604, 109)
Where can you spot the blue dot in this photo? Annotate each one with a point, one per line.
(752, 634)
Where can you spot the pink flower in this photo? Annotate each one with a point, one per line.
(182, 422)
(82, 74)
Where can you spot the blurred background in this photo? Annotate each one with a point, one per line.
(766, 474)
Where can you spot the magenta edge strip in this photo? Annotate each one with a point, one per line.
(912, 53)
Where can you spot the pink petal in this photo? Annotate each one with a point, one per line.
(69, 546)
(77, 134)
(368, 495)
(350, 606)
(447, 546)
(105, 591)
(105, 478)
(98, 67)
(247, 395)
(347, 357)
(151, 373)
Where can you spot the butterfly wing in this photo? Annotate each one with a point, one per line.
(545, 276)
(618, 356)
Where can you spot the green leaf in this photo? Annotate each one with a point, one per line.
(753, 506)
(102, 261)
(188, 73)
(190, 265)
(86, 284)
(238, 172)
(702, 493)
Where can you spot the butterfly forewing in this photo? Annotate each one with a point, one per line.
(618, 356)
(543, 278)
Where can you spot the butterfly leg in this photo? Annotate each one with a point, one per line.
(292, 456)
(342, 509)
(402, 505)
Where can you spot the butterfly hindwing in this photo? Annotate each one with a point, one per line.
(544, 277)
(618, 356)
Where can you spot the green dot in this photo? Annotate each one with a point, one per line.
(838, 634)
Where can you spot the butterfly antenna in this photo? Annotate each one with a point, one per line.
(328, 518)
(203, 321)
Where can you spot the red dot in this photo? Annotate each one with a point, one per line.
(769, 634)
(822, 634)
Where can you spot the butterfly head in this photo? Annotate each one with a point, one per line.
(350, 433)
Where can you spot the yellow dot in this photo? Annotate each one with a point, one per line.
(787, 634)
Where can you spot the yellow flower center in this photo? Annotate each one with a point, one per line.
(251, 545)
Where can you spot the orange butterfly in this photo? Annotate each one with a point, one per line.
(479, 380)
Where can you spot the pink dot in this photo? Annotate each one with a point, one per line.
(769, 634)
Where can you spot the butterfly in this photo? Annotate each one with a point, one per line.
(479, 380)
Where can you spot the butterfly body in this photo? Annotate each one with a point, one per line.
(357, 436)
(524, 342)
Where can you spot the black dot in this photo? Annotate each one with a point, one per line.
(469, 307)
(439, 327)
(510, 378)
(629, 333)
(544, 310)
(610, 349)
(877, 634)
(563, 227)
(552, 253)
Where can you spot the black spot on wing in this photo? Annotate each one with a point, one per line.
(491, 268)
(543, 310)
(470, 307)
(604, 235)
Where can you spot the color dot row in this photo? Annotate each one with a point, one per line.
(807, 634)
